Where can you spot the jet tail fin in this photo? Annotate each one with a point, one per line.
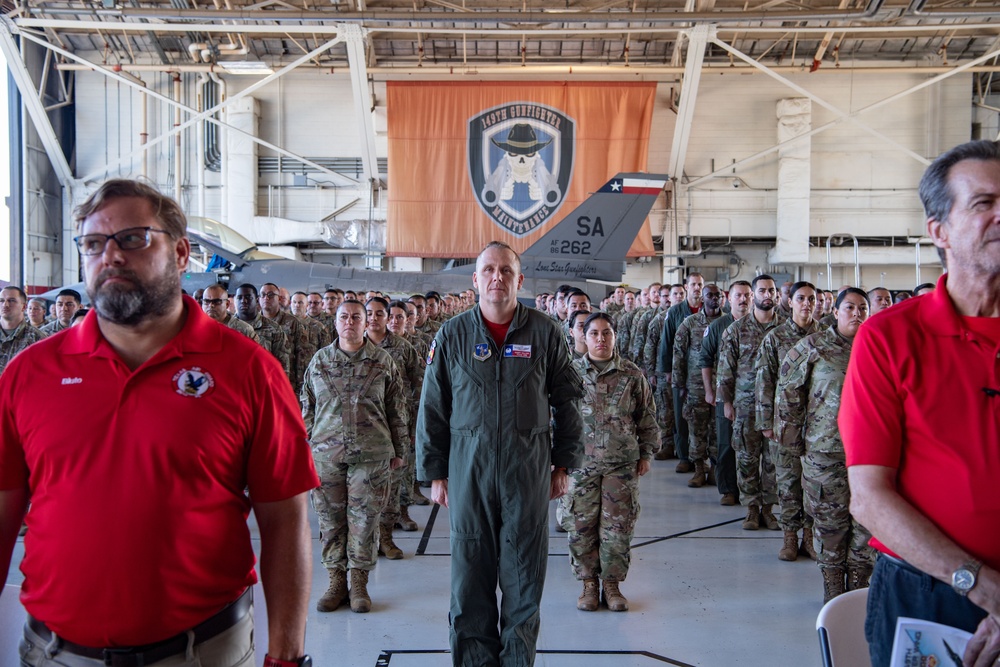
(592, 241)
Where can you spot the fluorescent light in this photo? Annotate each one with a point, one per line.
(246, 67)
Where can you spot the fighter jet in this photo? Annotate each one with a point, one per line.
(589, 244)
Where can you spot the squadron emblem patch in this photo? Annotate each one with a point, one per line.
(193, 382)
(520, 161)
(482, 352)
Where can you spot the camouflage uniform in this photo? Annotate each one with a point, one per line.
(828, 320)
(637, 335)
(412, 368)
(422, 347)
(13, 343)
(355, 415)
(623, 333)
(300, 349)
(686, 374)
(809, 387)
(236, 324)
(725, 469)
(55, 326)
(603, 497)
(664, 359)
(788, 468)
(273, 339)
(329, 323)
(736, 378)
(646, 360)
(319, 336)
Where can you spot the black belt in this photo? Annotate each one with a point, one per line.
(138, 656)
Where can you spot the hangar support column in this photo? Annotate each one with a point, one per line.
(240, 163)
(792, 228)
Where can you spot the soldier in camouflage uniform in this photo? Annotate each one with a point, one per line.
(686, 376)
(15, 331)
(809, 388)
(736, 378)
(664, 358)
(623, 323)
(319, 336)
(412, 370)
(620, 437)
(802, 301)
(645, 358)
(300, 349)
(354, 410)
(67, 303)
(269, 335)
(401, 314)
(725, 473)
(640, 323)
(213, 303)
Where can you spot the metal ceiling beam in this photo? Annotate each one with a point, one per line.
(875, 105)
(35, 106)
(698, 39)
(355, 39)
(197, 116)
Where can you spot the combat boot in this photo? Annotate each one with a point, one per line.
(666, 452)
(405, 522)
(386, 547)
(857, 577)
(613, 597)
(710, 476)
(833, 582)
(768, 518)
(790, 547)
(699, 478)
(807, 548)
(336, 593)
(684, 466)
(728, 499)
(360, 602)
(590, 599)
(418, 498)
(752, 522)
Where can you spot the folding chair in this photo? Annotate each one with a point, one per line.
(841, 628)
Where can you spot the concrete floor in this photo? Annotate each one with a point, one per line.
(701, 592)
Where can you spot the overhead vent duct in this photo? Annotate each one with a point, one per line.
(344, 234)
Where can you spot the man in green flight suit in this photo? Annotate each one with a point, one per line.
(496, 376)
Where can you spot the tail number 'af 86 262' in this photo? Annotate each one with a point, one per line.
(567, 247)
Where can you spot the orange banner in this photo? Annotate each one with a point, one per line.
(474, 162)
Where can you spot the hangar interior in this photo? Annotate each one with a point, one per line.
(794, 132)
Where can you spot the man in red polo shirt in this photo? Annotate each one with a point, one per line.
(924, 463)
(138, 548)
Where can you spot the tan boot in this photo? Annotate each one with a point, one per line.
(807, 548)
(833, 582)
(699, 478)
(590, 599)
(858, 577)
(418, 498)
(336, 593)
(665, 452)
(360, 602)
(768, 518)
(386, 547)
(683, 467)
(728, 499)
(752, 522)
(613, 597)
(790, 547)
(405, 522)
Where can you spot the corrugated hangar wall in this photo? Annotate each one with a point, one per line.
(860, 184)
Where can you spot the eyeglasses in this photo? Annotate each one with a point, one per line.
(133, 238)
(269, 295)
(214, 302)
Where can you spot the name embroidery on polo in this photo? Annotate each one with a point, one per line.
(193, 382)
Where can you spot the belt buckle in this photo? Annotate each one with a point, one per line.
(126, 657)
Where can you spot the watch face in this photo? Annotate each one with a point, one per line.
(963, 580)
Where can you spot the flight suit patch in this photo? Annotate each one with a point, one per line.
(430, 352)
(482, 352)
(521, 351)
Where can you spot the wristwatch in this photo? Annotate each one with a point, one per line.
(963, 579)
(304, 661)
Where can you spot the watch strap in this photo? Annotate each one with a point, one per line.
(274, 662)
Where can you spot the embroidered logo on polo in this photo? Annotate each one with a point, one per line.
(482, 352)
(520, 158)
(193, 382)
(519, 351)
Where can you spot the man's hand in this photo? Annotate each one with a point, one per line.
(439, 492)
(643, 466)
(710, 396)
(666, 377)
(768, 433)
(984, 647)
(396, 462)
(560, 483)
(729, 411)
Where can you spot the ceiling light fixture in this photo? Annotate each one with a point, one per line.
(246, 67)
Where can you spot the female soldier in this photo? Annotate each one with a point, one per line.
(808, 400)
(621, 437)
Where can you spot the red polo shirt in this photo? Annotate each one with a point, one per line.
(913, 400)
(137, 529)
